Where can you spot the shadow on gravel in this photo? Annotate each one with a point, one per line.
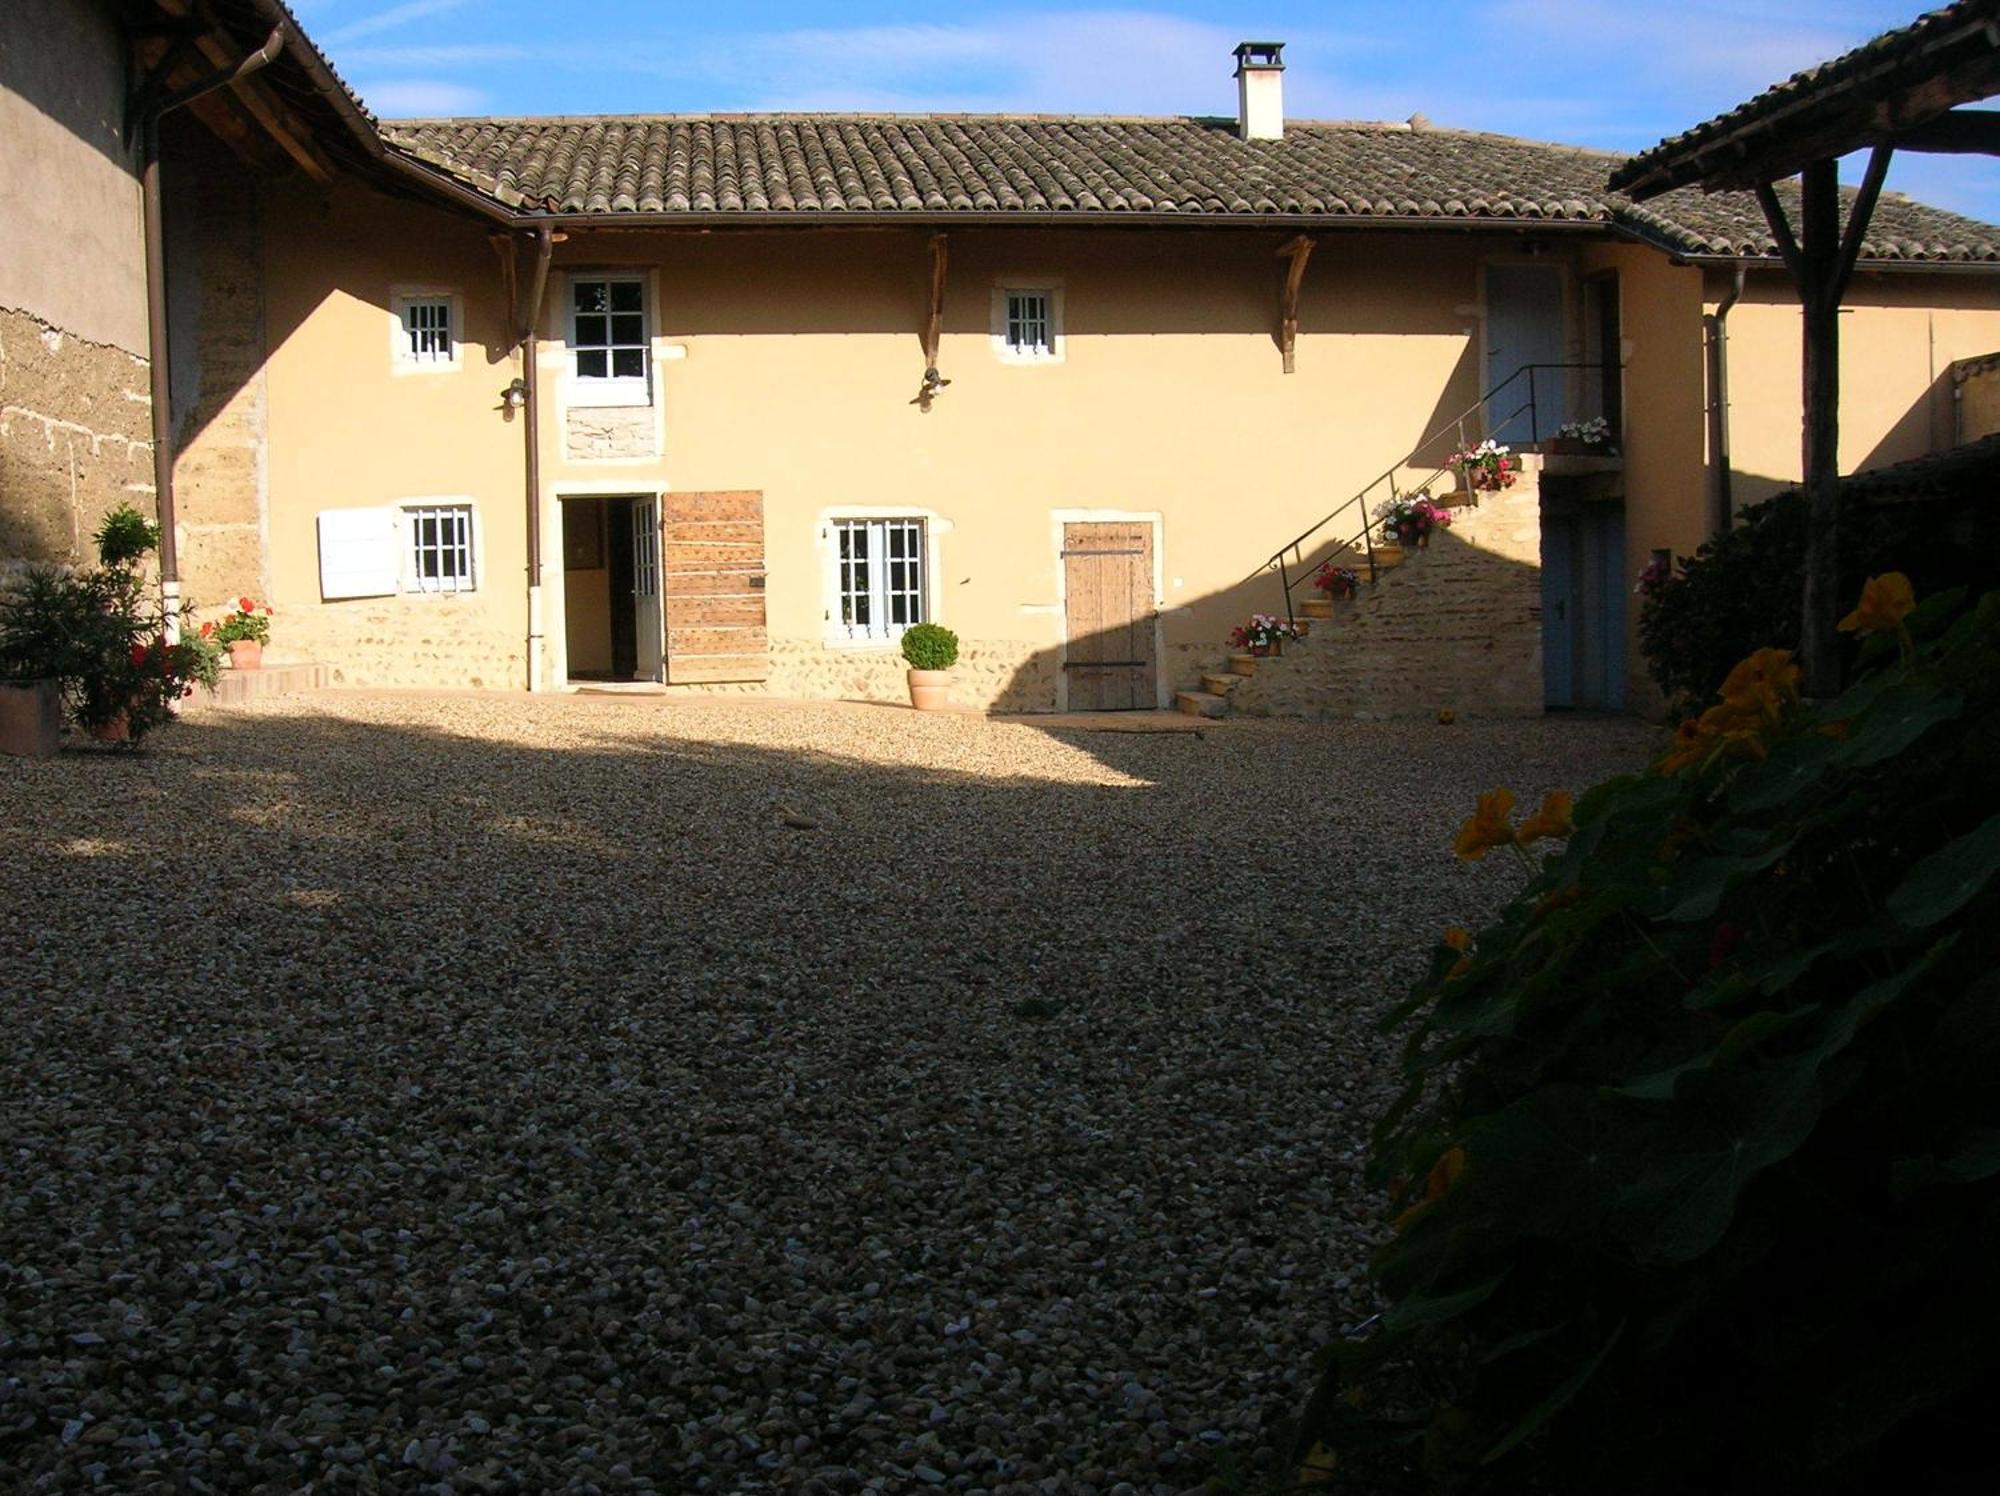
(384, 1108)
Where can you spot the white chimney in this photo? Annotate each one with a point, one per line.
(1260, 91)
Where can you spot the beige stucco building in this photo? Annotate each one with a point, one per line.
(679, 429)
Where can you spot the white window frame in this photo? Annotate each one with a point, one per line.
(402, 359)
(879, 632)
(608, 389)
(1025, 285)
(411, 511)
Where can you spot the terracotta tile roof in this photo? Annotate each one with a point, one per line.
(1042, 168)
(1835, 107)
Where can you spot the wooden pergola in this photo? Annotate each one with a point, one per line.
(1903, 91)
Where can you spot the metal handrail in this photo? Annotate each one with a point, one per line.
(1366, 538)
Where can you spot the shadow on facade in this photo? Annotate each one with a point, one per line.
(1467, 625)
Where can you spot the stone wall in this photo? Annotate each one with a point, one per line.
(75, 439)
(469, 641)
(1457, 626)
(216, 345)
(610, 433)
(993, 675)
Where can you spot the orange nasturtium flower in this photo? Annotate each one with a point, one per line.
(1487, 827)
(1885, 602)
(1459, 939)
(1437, 1184)
(1552, 822)
(1762, 686)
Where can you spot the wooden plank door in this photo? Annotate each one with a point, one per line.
(715, 587)
(1109, 659)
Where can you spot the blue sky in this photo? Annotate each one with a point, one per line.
(1613, 73)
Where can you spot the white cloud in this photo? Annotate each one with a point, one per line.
(394, 16)
(1082, 62)
(415, 98)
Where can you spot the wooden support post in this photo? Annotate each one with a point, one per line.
(1296, 251)
(1821, 257)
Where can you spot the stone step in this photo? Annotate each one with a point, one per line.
(1220, 685)
(1458, 498)
(1317, 607)
(239, 686)
(1201, 703)
(1242, 664)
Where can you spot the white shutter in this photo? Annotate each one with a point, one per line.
(360, 553)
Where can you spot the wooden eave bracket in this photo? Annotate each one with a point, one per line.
(1295, 252)
(933, 381)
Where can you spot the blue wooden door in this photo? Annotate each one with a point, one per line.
(1559, 577)
(1524, 326)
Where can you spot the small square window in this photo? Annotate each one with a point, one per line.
(426, 334)
(438, 549)
(880, 577)
(1028, 331)
(1027, 323)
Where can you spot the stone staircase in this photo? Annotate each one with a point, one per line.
(1456, 625)
(1211, 698)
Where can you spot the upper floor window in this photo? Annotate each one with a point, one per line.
(426, 331)
(1027, 324)
(609, 348)
(880, 576)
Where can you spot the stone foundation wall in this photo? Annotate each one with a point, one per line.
(471, 641)
(75, 439)
(994, 675)
(1457, 626)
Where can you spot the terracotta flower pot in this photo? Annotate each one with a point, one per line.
(30, 718)
(1263, 651)
(246, 654)
(930, 690)
(117, 730)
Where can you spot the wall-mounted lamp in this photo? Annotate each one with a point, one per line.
(514, 397)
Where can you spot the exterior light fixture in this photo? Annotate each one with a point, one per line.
(514, 396)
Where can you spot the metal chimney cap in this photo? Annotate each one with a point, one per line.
(1260, 55)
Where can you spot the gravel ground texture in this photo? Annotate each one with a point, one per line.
(464, 1094)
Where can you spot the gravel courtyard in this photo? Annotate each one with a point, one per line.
(484, 1094)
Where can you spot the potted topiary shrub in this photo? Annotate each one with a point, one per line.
(931, 651)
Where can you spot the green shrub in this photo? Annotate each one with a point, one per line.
(1698, 1164)
(1746, 588)
(100, 633)
(929, 646)
(125, 537)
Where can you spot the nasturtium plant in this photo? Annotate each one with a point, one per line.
(1695, 1178)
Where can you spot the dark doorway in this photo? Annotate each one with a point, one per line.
(600, 630)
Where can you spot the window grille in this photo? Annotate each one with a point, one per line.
(1030, 333)
(427, 330)
(440, 547)
(881, 576)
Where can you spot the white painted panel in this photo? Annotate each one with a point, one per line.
(360, 553)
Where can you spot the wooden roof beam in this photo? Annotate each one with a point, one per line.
(278, 121)
(1962, 132)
